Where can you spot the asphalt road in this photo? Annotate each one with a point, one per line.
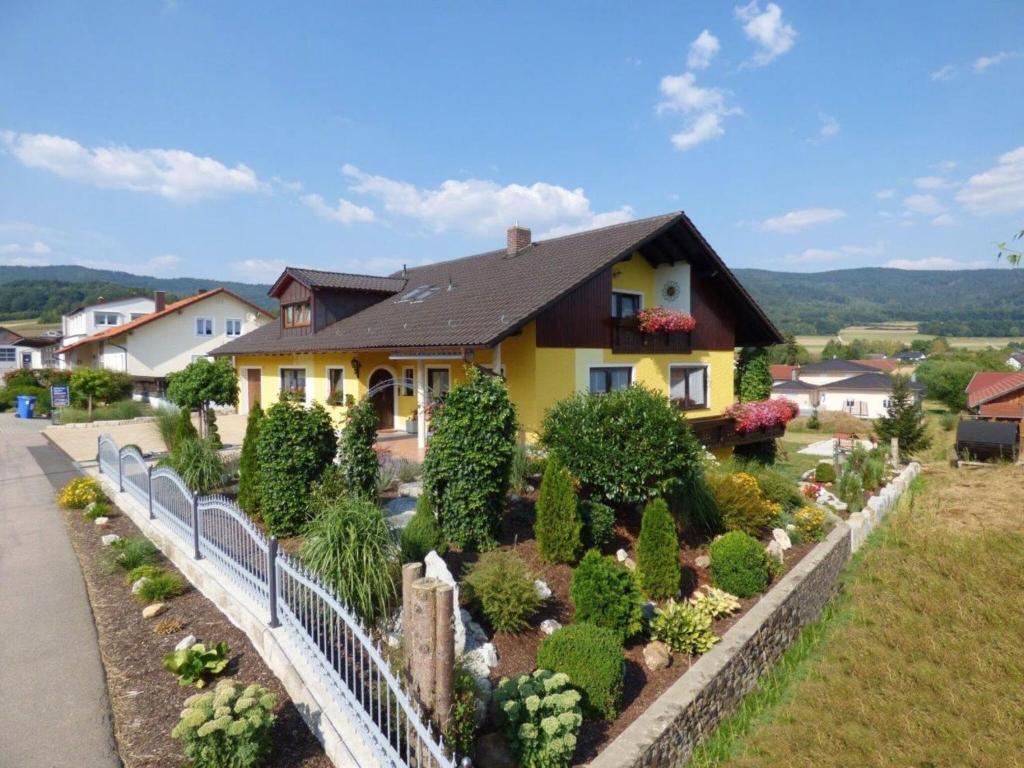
(54, 708)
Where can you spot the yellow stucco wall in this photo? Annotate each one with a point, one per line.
(635, 275)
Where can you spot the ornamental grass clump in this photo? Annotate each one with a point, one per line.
(160, 586)
(558, 526)
(502, 586)
(684, 628)
(96, 509)
(604, 593)
(198, 463)
(80, 493)
(228, 727)
(657, 561)
(739, 564)
(592, 658)
(129, 553)
(542, 718)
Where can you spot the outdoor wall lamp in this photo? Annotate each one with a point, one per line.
(356, 365)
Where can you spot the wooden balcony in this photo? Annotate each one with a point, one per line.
(720, 432)
(627, 338)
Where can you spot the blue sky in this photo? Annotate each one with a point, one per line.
(226, 140)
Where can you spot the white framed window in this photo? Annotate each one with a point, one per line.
(204, 326)
(886, 403)
(7, 355)
(626, 303)
(438, 382)
(335, 385)
(106, 319)
(233, 327)
(688, 386)
(293, 384)
(608, 378)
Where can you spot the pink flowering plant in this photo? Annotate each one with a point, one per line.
(762, 414)
(656, 319)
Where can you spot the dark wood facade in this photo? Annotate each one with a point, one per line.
(628, 338)
(581, 318)
(716, 321)
(294, 293)
(720, 432)
(327, 305)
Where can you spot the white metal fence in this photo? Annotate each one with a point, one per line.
(334, 642)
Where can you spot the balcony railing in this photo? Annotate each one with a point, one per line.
(720, 432)
(627, 337)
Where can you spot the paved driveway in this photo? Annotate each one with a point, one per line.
(54, 710)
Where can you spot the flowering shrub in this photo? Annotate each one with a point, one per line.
(228, 727)
(80, 493)
(762, 414)
(657, 319)
(741, 502)
(542, 717)
(810, 522)
(811, 490)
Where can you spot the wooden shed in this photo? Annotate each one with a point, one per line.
(987, 440)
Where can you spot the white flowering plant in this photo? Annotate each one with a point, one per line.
(228, 727)
(542, 718)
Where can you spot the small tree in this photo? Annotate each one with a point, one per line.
(466, 471)
(294, 447)
(91, 384)
(755, 376)
(248, 467)
(658, 552)
(202, 383)
(558, 524)
(903, 419)
(359, 463)
(212, 433)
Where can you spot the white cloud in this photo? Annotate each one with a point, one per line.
(483, 207)
(156, 266)
(932, 182)
(936, 262)
(983, 63)
(885, 194)
(23, 261)
(927, 205)
(829, 127)
(999, 189)
(812, 255)
(943, 73)
(171, 173)
(37, 247)
(945, 166)
(767, 29)
(260, 270)
(944, 220)
(344, 211)
(795, 221)
(702, 50)
(706, 108)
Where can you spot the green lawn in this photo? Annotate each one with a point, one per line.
(903, 332)
(918, 664)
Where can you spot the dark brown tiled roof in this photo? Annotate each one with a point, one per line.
(317, 278)
(478, 300)
(878, 382)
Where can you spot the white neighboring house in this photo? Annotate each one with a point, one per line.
(1016, 361)
(104, 315)
(841, 385)
(805, 395)
(162, 342)
(17, 351)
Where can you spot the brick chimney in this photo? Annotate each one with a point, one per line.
(517, 238)
(159, 300)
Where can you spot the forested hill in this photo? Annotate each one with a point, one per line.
(970, 302)
(48, 292)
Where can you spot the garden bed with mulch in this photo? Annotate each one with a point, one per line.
(517, 654)
(146, 699)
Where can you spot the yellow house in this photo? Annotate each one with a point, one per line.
(553, 317)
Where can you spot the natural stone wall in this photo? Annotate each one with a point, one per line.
(688, 712)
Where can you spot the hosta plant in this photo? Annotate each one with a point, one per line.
(194, 665)
(715, 602)
(683, 628)
(542, 718)
(228, 727)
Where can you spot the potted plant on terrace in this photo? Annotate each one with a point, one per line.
(665, 320)
(293, 394)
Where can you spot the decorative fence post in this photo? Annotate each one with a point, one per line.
(99, 440)
(149, 493)
(195, 525)
(444, 653)
(120, 471)
(272, 579)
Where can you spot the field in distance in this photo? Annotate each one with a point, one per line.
(29, 327)
(903, 332)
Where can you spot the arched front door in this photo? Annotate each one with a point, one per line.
(383, 398)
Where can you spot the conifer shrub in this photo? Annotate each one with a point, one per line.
(592, 658)
(466, 471)
(422, 533)
(185, 430)
(824, 472)
(604, 593)
(212, 433)
(294, 448)
(360, 464)
(248, 464)
(658, 552)
(739, 564)
(558, 525)
(501, 585)
(598, 523)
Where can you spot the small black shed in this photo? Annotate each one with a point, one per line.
(986, 440)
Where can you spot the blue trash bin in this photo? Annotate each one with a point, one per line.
(26, 405)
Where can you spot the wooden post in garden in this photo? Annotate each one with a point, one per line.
(421, 626)
(444, 652)
(410, 573)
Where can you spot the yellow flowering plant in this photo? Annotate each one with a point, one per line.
(741, 501)
(810, 522)
(80, 493)
(228, 727)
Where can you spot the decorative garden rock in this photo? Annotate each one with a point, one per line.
(153, 610)
(774, 549)
(435, 568)
(101, 520)
(543, 590)
(550, 626)
(109, 539)
(703, 561)
(185, 643)
(137, 585)
(783, 538)
(480, 661)
(630, 563)
(621, 555)
(475, 635)
(413, 489)
(657, 655)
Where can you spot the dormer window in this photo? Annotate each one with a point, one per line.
(296, 315)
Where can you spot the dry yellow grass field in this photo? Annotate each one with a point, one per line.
(903, 332)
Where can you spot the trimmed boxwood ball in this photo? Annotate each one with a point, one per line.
(658, 552)
(592, 658)
(558, 524)
(604, 593)
(739, 564)
(422, 534)
(825, 473)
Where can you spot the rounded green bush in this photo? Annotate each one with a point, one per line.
(592, 658)
(422, 534)
(739, 564)
(558, 524)
(824, 472)
(604, 593)
(658, 552)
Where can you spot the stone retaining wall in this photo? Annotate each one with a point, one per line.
(687, 713)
